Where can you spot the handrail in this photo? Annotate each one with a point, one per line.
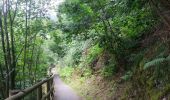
(26, 91)
(47, 95)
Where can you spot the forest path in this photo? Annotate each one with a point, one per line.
(63, 91)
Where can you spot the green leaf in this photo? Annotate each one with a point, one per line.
(154, 62)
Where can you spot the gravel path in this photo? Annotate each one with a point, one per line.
(63, 91)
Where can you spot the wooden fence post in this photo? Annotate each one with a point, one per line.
(51, 84)
(39, 93)
(48, 89)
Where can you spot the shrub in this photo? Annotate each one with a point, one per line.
(127, 76)
(109, 71)
(87, 72)
(93, 53)
(66, 72)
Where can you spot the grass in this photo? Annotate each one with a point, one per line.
(92, 88)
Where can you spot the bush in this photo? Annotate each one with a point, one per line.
(127, 76)
(93, 53)
(66, 72)
(109, 71)
(87, 72)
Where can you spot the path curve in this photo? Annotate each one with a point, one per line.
(63, 91)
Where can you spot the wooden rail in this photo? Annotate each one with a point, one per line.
(21, 94)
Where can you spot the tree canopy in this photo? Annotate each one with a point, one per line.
(128, 39)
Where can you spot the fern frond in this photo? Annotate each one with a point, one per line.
(168, 58)
(154, 62)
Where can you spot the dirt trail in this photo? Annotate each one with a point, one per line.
(63, 91)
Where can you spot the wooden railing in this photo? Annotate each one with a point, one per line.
(38, 87)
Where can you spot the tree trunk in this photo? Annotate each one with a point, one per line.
(13, 60)
(5, 56)
(25, 47)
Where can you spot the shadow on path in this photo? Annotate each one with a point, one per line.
(63, 91)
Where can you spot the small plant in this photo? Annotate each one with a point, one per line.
(87, 72)
(156, 61)
(127, 76)
(108, 71)
(94, 52)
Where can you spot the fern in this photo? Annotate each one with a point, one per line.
(168, 58)
(127, 76)
(156, 61)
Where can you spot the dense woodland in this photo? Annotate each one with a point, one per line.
(24, 25)
(126, 42)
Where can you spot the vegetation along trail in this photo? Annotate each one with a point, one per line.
(98, 49)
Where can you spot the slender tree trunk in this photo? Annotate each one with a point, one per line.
(3, 83)
(25, 47)
(37, 63)
(13, 60)
(7, 41)
(5, 54)
(31, 64)
(29, 48)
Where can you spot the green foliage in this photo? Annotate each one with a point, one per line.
(24, 32)
(127, 76)
(86, 72)
(58, 45)
(121, 28)
(93, 53)
(156, 62)
(84, 30)
(109, 71)
(66, 72)
(73, 53)
(130, 25)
